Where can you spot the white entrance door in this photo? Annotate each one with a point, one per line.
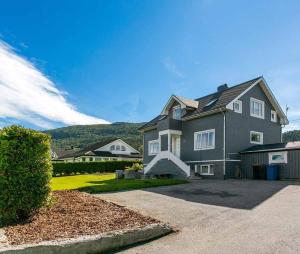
(176, 145)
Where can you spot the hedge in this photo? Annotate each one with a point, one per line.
(73, 168)
(25, 172)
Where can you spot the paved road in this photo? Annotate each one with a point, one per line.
(221, 216)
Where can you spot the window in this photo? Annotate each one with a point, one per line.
(83, 159)
(153, 147)
(117, 148)
(257, 108)
(256, 137)
(91, 159)
(204, 169)
(211, 103)
(177, 113)
(123, 148)
(204, 140)
(112, 148)
(277, 157)
(237, 106)
(273, 116)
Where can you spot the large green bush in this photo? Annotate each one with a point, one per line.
(89, 167)
(25, 172)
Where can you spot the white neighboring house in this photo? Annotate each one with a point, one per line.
(112, 149)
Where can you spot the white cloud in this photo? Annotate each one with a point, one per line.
(172, 68)
(26, 94)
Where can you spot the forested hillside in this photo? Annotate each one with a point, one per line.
(80, 136)
(291, 136)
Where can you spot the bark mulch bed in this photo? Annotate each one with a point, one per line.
(75, 214)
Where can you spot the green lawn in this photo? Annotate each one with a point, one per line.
(98, 183)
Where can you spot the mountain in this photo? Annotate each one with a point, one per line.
(291, 136)
(79, 136)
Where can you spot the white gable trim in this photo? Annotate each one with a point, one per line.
(166, 107)
(230, 104)
(105, 147)
(266, 89)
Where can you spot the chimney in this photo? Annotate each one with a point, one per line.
(222, 88)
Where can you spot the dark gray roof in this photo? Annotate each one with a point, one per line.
(271, 147)
(220, 99)
(88, 148)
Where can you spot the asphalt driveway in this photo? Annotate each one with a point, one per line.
(221, 216)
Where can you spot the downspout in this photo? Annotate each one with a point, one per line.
(224, 142)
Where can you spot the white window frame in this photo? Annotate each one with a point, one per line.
(263, 108)
(239, 102)
(149, 144)
(201, 133)
(173, 110)
(209, 173)
(273, 113)
(261, 137)
(281, 153)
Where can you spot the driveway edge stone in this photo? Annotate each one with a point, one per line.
(93, 244)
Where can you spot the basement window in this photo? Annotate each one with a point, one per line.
(204, 169)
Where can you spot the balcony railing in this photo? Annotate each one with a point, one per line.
(169, 124)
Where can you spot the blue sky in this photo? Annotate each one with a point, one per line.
(121, 60)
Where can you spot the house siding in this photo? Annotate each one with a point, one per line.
(192, 157)
(201, 124)
(148, 136)
(290, 170)
(239, 125)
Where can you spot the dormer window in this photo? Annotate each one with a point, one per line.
(177, 112)
(117, 148)
(112, 148)
(123, 148)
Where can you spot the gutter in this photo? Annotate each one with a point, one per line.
(224, 141)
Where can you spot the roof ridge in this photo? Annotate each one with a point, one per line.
(240, 84)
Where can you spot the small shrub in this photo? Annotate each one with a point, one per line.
(25, 172)
(134, 168)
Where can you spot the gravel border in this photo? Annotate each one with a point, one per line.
(93, 244)
(3, 239)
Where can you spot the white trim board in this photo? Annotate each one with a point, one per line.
(209, 161)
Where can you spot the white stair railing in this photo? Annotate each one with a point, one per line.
(170, 156)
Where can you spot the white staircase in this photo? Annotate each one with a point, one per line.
(169, 156)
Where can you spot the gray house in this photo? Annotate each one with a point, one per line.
(205, 136)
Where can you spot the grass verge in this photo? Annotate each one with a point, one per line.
(97, 183)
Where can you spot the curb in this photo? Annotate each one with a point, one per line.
(93, 244)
